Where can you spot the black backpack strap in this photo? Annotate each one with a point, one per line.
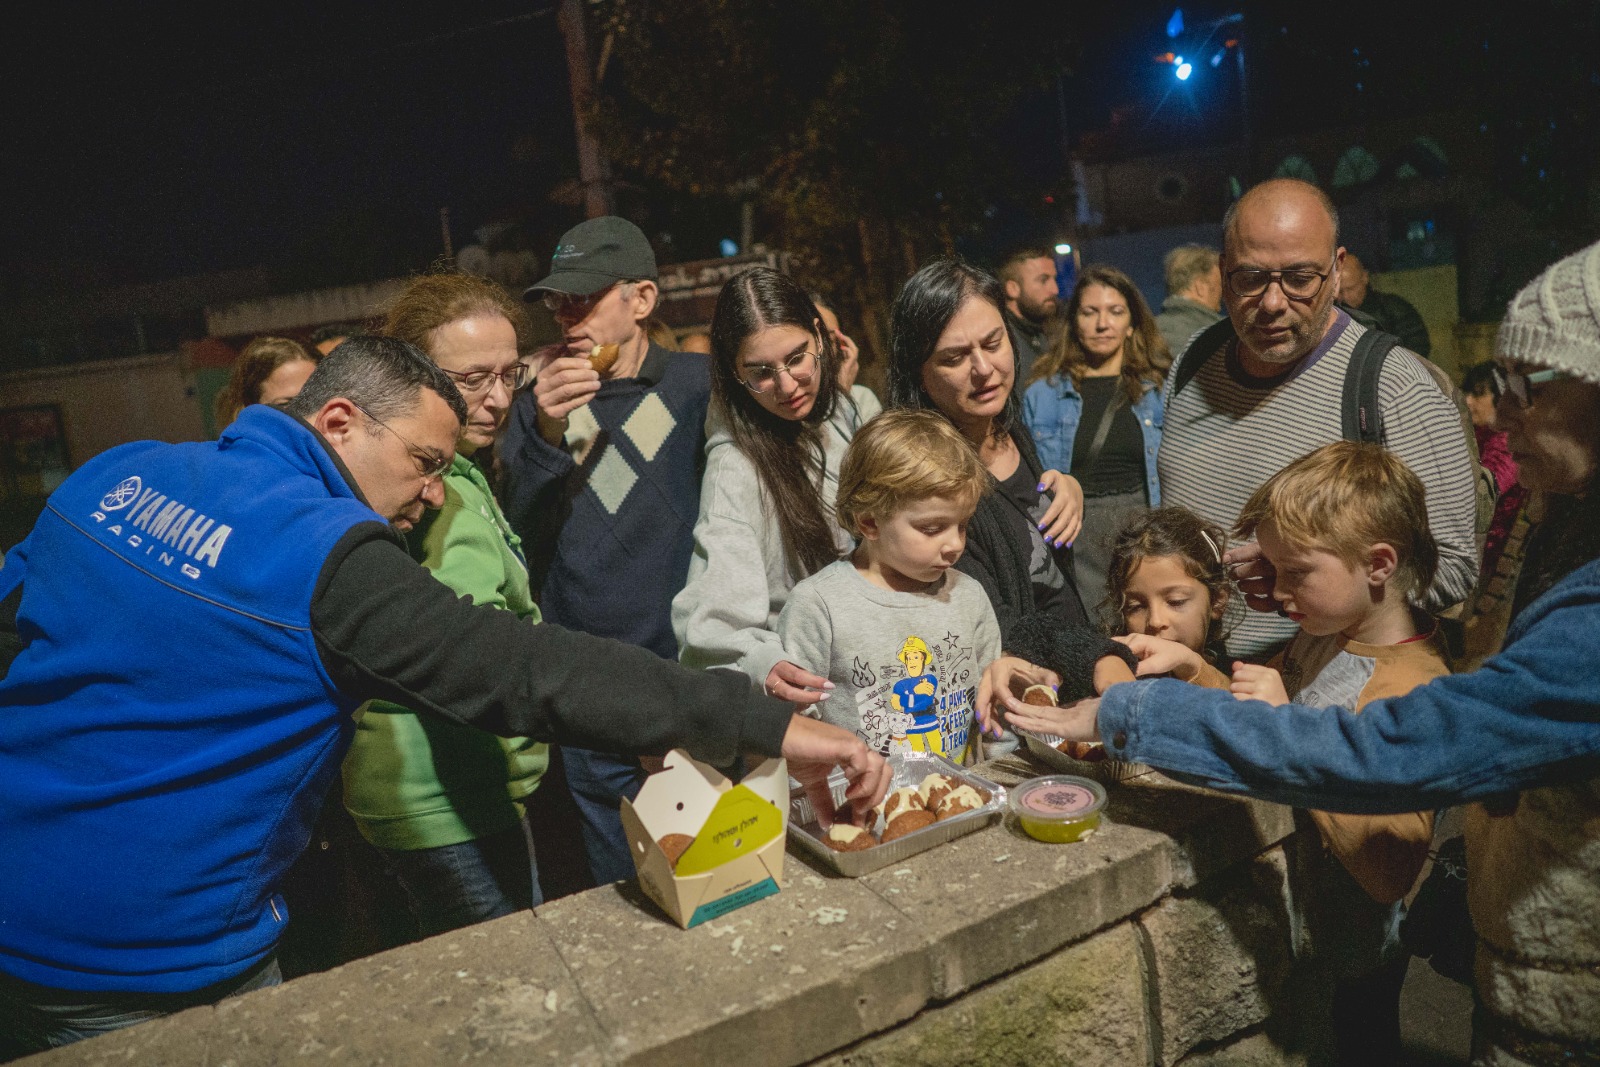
(1359, 417)
(1207, 344)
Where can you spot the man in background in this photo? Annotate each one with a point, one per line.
(1032, 296)
(1194, 296)
(1385, 311)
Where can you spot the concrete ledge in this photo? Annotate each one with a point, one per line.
(1084, 1005)
(1154, 910)
(783, 980)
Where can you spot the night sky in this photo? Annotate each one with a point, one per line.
(144, 143)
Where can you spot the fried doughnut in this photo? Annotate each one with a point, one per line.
(675, 845)
(907, 822)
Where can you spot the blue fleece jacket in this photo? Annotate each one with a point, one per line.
(161, 772)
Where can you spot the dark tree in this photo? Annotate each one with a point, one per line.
(864, 133)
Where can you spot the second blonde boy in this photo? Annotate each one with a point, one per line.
(1346, 529)
(902, 634)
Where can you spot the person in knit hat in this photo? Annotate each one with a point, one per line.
(1519, 737)
(1535, 902)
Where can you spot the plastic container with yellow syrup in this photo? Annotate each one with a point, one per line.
(1058, 808)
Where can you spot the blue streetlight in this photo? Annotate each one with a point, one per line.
(1183, 69)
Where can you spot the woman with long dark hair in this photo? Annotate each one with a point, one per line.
(949, 352)
(778, 430)
(1094, 409)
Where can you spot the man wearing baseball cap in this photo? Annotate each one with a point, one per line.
(602, 465)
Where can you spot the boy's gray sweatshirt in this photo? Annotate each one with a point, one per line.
(905, 665)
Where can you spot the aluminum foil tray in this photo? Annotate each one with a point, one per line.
(909, 769)
(1042, 747)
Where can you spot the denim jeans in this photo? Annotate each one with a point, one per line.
(36, 1019)
(599, 781)
(458, 885)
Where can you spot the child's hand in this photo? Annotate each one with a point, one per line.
(791, 682)
(1252, 682)
(1071, 722)
(1064, 517)
(1003, 681)
(1108, 671)
(1158, 656)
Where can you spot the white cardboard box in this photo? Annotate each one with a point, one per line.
(739, 834)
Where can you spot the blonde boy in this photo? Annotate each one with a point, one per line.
(1346, 529)
(902, 634)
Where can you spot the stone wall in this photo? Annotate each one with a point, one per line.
(1164, 939)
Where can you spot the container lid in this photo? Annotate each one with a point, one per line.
(1057, 798)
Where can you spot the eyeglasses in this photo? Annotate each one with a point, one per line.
(575, 308)
(801, 367)
(431, 463)
(1520, 385)
(1296, 284)
(481, 381)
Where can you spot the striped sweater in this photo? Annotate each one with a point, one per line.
(1226, 433)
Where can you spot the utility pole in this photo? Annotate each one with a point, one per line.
(593, 170)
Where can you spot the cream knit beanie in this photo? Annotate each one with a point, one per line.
(1555, 321)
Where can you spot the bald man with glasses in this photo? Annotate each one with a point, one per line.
(1266, 387)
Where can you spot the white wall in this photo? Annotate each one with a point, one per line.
(112, 402)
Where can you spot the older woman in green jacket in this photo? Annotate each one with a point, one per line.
(442, 801)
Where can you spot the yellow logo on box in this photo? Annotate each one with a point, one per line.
(740, 823)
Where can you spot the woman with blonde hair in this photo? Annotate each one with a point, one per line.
(1094, 408)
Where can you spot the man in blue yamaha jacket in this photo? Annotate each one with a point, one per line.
(197, 623)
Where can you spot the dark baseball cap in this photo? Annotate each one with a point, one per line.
(595, 254)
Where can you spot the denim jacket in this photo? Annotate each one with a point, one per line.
(1052, 408)
(1528, 716)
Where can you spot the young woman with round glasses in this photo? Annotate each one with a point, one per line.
(776, 436)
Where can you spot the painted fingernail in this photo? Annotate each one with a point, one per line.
(1040, 489)
(1069, 544)
(827, 685)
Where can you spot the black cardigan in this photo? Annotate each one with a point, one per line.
(999, 562)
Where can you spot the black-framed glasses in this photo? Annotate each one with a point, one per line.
(1520, 386)
(801, 366)
(431, 463)
(1299, 284)
(481, 381)
(572, 307)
